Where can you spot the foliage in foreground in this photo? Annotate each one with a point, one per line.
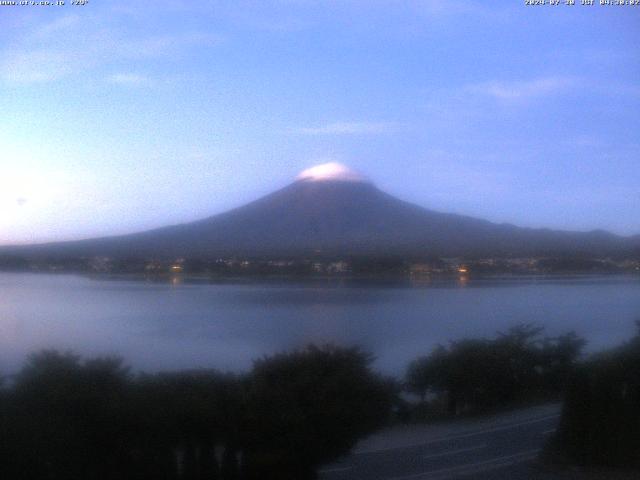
(600, 423)
(473, 375)
(64, 418)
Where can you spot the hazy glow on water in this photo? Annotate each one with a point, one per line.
(170, 326)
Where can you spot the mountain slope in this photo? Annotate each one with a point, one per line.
(337, 216)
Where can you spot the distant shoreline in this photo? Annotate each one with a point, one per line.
(434, 280)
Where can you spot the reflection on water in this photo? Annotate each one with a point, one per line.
(178, 324)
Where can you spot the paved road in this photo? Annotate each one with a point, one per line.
(496, 447)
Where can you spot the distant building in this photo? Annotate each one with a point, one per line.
(177, 266)
(338, 267)
(419, 269)
(100, 264)
(280, 263)
(154, 266)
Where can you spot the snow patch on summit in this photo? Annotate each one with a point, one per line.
(331, 171)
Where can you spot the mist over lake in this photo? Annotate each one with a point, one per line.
(165, 326)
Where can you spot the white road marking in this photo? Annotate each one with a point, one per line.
(453, 452)
(334, 470)
(446, 438)
(504, 427)
(491, 464)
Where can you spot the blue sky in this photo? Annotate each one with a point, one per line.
(120, 116)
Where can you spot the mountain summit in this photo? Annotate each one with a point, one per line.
(331, 172)
(333, 210)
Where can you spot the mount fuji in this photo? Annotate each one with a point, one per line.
(330, 209)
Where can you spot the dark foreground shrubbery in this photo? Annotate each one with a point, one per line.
(600, 423)
(64, 418)
(307, 408)
(475, 375)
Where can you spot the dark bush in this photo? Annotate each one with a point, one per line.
(600, 422)
(309, 407)
(478, 374)
(65, 418)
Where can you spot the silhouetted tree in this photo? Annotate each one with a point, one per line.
(558, 360)
(307, 408)
(180, 419)
(66, 418)
(480, 374)
(428, 374)
(600, 422)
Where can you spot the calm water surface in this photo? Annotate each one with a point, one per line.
(164, 326)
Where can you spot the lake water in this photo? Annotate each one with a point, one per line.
(169, 326)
